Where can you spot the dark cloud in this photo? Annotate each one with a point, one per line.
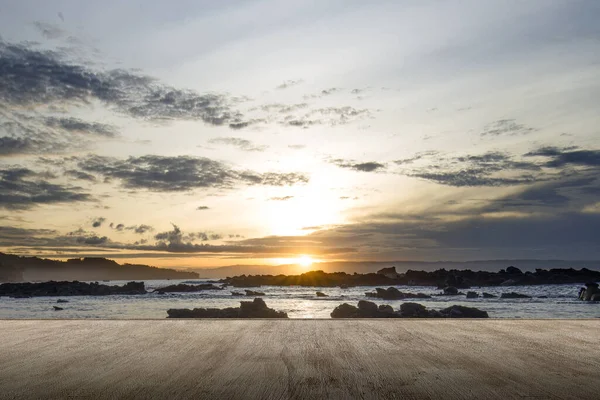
(182, 173)
(30, 77)
(370, 166)
(284, 198)
(506, 127)
(119, 227)
(201, 208)
(97, 222)
(80, 175)
(22, 188)
(416, 157)
(560, 157)
(77, 125)
(242, 144)
(139, 229)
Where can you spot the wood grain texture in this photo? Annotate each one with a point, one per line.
(300, 359)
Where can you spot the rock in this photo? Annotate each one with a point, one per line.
(188, 288)
(392, 293)
(237, 294)
(385, 309)
(389, 272)
(344, 286)
(66, 288)
(247, 309)
(514, 295)
(457, 311)
(253, 293)
(413, 310)
(58, 308)
(472, 295)
(595, 297)
(590, 291)
(488, 295)
(450, 291)
(509, 282)
(62, 301)
(513, 270)
(345, 310)
(368, 309)
(321, 294)
(159, 292)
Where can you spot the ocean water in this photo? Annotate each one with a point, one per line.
(298, 302)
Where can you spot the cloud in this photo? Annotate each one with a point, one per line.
(560, 157)
(242, 144)
(49, 31)
(370, 166)
(331, 116)
(323, 93)
(22, 188)
(33, 133)
(290, 83)
(284, 198)
(182, 173)
(97, 222)
(507, 127)
(296, 146)
(30, 77)
(139, 229)
(201, 208)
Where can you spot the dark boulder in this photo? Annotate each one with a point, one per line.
(513, 270)
(457, 311)
(345, 310)
(488, 295)
(58, 308)
(237, 294)
(367, 308)
(248, 309)
(450, 291)
(472, 295)
(385, 309)
(514, 295)
(392, 293)
(321, 294)
(253, 293)
(413, 310)
(62, 301)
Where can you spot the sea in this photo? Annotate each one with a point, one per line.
(547, 302)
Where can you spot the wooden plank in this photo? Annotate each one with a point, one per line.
(303, 359)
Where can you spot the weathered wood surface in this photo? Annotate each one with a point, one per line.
(309, 359)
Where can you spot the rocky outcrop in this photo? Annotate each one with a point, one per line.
(367, 309)
(321, 294)
(451, 291)
(62, 301)
(472, 295)
(590, 292)
(389, 272)
(253, 293)
(187, 288)
(247, 309)
(56, 308)
(392, 293)
(66, 288)
(237, 294)
(488, 295)
(514, 295)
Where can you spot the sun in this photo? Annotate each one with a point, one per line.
(304, 261)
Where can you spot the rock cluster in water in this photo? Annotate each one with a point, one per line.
(442, 278)
(368, 309)
(188, 288)
(247, 309)
(392, 293)
(66, 288)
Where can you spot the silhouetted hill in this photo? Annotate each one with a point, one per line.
(18, 269)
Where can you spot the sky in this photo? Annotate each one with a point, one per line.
(202, 133)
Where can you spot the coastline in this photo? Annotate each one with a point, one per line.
(359, 358)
